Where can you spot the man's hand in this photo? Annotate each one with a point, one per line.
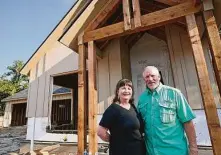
(193, 151)
(191, 135)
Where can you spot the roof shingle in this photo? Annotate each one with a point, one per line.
(24, 93)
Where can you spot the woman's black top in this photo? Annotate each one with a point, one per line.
(124, 126)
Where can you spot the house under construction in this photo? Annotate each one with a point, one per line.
(99, 42)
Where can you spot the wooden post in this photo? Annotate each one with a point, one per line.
(72, 105)
(136, 13)
(95, 116)
(215, 44)
(85, 109)
(81, 95)
(95, 98)
(92, 98)
(21, 115)
(205, 86)
(127, 17)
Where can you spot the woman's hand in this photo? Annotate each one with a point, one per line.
(103, 134)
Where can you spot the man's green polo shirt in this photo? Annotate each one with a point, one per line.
(164, 111)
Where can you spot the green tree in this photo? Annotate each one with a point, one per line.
(14, 75)
(6, 89)
(12, 82)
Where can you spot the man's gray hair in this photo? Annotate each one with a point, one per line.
(152, 68)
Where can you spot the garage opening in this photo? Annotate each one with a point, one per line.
(18, 114)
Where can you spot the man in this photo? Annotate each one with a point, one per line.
(167, 117)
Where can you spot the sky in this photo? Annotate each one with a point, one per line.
(24, 25)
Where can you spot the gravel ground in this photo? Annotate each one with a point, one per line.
(10, 139)
(72, 149)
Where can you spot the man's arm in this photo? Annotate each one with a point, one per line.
(191, 135)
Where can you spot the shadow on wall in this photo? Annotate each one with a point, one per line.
(39, 89)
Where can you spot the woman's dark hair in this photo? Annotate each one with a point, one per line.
(121, 83)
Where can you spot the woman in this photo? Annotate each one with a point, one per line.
(122, 121)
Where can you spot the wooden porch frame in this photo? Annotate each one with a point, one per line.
(151, 20)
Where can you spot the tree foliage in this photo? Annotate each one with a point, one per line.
(12, 82)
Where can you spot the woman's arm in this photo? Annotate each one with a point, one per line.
(103, 134)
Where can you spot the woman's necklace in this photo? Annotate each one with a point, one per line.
(125, 105)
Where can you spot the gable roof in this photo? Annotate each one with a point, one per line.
(24, 93)
(74, 22)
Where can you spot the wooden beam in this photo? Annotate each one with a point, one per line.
(215, 44)
(175, 2)
(171, 2)
(136, 13)
(148, 21)
(127, 16)
(148, 7)
(92, 98)
(81, 95)
(201, 25)
(103, 15)
(205, 86)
